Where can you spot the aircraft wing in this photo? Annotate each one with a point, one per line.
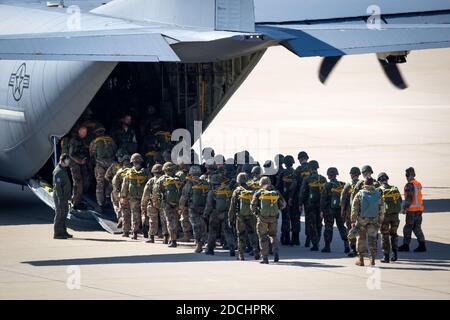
(354, 27)
(115, 45)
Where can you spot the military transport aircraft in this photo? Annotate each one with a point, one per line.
(58, 57)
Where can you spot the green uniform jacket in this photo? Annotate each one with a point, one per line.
(62, 187)
(304, 195)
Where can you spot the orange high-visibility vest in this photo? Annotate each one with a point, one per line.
(417, 202)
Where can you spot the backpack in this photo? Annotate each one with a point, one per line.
(392, 199)
(222, 198)
(199, 192)
(137, 180)
(370, 204)
(336, 190)
(315, 190)
(245, 198)
(172, 186)
(105, 152)
(269, 203)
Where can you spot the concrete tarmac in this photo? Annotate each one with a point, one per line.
(357, 119)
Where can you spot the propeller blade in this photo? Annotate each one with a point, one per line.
(393, 73)
(327, 65)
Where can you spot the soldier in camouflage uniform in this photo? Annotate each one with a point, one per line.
(285, 180)
(102, 149)
(132, 190)
(346, 201)
(330, 205)
(266, 204)
(193, 197)
(125, 136)
(78, 150)
(216, 213)
(184, 176)
(124, 214)
(166, 195)
(241, 216)
(300, 173)
(393, 204)
(148, 208)
(309, 197)
(367, 216)
(62, 191)
(123, 160)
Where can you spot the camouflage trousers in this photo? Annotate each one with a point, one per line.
(115, 199)
(185, 222)
(80, 180)
(101, 188)
(135, 208)
(389, 237)
(413, 223)
(313, 224)
(126, 215)
(267, 233)
(198, 224)
(329, 218)
(245, 227)
(367, 227)
(219, 222)
(61, 211)
(155, 216)
(171, 216)
(348, 224)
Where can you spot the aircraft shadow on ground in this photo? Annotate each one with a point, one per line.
(437, 205)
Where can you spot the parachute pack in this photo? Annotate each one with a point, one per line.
(137, 180)
(222, 196)
(392, 199)
(172, 186)
(269, 203)
(315, 190)
(105, 152)
(245, 198)
(199, 192)
(336, 191)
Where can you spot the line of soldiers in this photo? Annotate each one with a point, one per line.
(239, 205)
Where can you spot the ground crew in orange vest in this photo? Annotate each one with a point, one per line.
(413, 208)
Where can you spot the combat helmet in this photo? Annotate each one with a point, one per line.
(195, 171)
(367, 169)
(256, 170)
(264, 181)
(332, 171)
(242, 178)
(355, 170)
(157, 168)
(136, 157)
(313, 165)
(302, 155)
(382, 176)
(169, 167)
(289, 160)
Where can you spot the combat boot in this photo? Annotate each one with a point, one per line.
(295, 239)
(360, 261)
(199, 247)
(394, 255)
(385, 259)
(166, 239)
(404, 248)
(315, 247)
(241, 256)
(135, 236)
(327, 247)
(276, 257)
(421, 247)
(208, 252)
(372, 260)
(151, 239)
(173, 244)
(346, 247)
(307, 242)
(265, 260)
(186, 237)
(257, 256)
(125, 234)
